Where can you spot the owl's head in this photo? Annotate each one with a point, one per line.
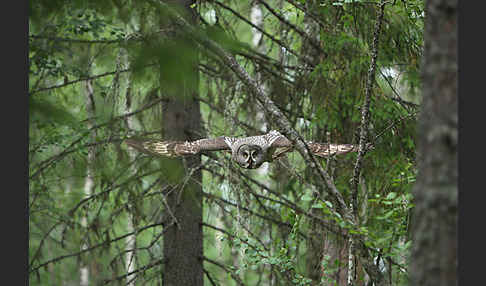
(250, 156)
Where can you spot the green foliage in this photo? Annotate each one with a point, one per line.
(258, 225)
(43, 112)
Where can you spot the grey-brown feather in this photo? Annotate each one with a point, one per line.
(177, 148)
(249, 152)
(324, 149)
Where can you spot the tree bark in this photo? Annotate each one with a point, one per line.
(131, 240)
(183, 244)
(434, 224)
(89, 183)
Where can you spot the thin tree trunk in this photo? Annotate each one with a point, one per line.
(84, 279)
(130, 263)
(434, 224)
(256, 17)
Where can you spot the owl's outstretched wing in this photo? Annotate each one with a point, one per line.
(325, 149)
(284, 145)
(177, 148)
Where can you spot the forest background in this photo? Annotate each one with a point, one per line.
(327, 71)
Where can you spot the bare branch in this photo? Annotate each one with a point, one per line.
(104, 243)
(82, 79)
(365, 110)
(70, 149)
(225, 268)
(303, 34)
(81, 41)
(307, 12)
(209, 277)
(141, 269)
(303, 58)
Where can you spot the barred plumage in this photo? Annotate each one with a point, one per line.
(249, 152)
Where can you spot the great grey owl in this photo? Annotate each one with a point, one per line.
(249, 152)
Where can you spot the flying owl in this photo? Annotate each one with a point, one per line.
(248, 152)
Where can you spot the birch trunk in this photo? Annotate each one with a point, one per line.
(89, 183)
(130, 263)
(256, 17)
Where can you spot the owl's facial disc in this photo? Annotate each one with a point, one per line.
(251, 155)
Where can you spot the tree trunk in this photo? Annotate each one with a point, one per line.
(434, 225)
(183, 242)
(131, 240)
(89, 183)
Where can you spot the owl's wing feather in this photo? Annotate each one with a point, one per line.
(279, 140)
(325, 149)
(318, 149)
(177, 148)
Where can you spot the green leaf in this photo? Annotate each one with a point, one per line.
(307, 197)
(391, 196)
(317, 206)
(387, 214)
